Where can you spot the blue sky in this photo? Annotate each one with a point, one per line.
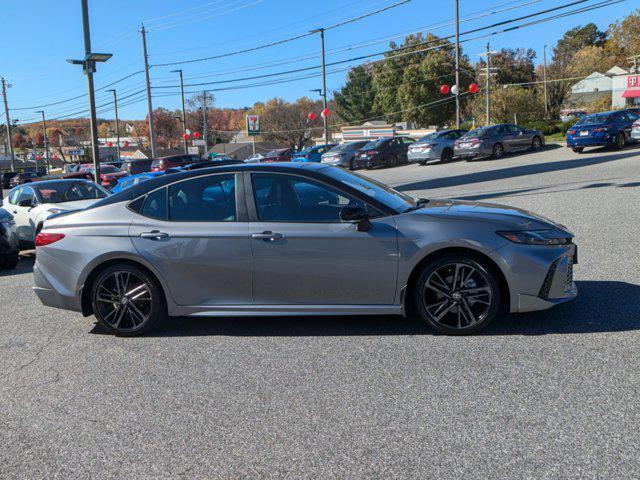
(45, 33)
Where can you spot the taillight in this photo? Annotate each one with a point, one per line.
(571, 132)
(44, 239)
(371, 152)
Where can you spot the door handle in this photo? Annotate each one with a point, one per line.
(267, 236)
(154, 235)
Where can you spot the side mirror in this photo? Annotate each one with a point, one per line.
(27, 202)
(357, 215)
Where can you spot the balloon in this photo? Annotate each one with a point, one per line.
(55, 157)
(110, 144)
(38, 157)
(473, 88)
(126, 144)
(185, 136)
(196, 134)
(454, 89)
(444, 89)
(325, 113)
(311, 116)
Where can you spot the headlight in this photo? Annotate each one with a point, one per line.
(536, 237)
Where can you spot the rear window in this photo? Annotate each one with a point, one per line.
(596, 118)
(477, 132)
(155, 205)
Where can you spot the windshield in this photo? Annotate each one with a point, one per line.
(374, 144)
(430, 136)
(381, 192)
(60, 192)
(595, 118)
(476, 133)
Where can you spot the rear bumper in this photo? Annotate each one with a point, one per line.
(590, 141)
(53, 291)
(471, 152)
(423, 156)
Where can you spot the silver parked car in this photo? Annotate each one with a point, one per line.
(297, 239)
(343, 155)
(496, 140)
(434, 146)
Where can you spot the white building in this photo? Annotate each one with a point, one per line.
(621, 86)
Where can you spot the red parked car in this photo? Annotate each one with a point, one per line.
(164, 163)
(279, 155)
(109, 175)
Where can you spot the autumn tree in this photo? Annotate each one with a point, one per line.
(525, 103)
(38, 140)
(624, 38)
(166, 127)
(287, 123)
(512, 65)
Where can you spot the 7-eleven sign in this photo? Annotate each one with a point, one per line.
(253, 124)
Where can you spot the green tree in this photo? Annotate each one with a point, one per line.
(512, 65)
(624, 38)
(525, 103)
(406, 83)
(574, 40)
(355, 101)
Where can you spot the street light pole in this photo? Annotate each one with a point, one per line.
(89, 68)
(457, 66)
(46, 140)
(184, 119)
(324, 86)
(8, 124)
(205, 131)
(152, 134)
(544, 78)
(115, 106)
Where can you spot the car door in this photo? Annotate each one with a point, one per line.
(304, 254)
(506, 137)
(521, 140)
(194, 232)
(22, 213)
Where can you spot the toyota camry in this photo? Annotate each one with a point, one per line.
(297, 239)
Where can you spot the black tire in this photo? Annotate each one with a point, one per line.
(446, 155)
(536, 143)
(619, 145)
(461, 302)
(422, 163)
(116, 315)
(498, 151)
(577, 149)
(10, 263)
(394, 161)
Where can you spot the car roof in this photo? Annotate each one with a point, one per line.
(162, 180)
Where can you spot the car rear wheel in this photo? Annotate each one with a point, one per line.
(620, 141)
(498, 151)
(127, 301)
(457, 295)
(447, 155)
(536, 143)
(577, 149)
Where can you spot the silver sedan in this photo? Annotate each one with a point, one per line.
(297, 239)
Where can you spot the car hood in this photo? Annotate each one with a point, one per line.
(509, 218)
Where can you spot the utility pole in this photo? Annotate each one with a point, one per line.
(152, 135)
(488, 54)
(544, 79)
(46, 140)
(205, 132)
(184, 119)
(115, 106)
(325, 120)
(8, 124)
(457, 66)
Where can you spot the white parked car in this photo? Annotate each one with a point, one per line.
(635, 130)
(255, 158)
(31, 204)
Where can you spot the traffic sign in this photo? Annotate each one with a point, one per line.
(253, 125)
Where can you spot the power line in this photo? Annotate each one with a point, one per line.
(279, 42)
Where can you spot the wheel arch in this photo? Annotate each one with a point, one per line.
(85, 297)
(407, 300)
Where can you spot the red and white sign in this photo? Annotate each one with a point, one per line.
(253, 124)
(633, 81)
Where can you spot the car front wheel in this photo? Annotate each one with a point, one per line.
(127, 301)
(457, 295)
(577, 149)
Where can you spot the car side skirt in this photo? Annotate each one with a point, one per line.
(282, 310)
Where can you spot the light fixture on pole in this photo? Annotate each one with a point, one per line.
(184, 119)
(89, 67)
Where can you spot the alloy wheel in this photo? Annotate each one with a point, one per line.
(124, 301)
(537, 143)
(457, 296)
(498, 151)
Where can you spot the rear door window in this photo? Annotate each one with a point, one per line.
(204, 199)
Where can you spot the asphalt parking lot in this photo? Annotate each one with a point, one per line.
(541, 395)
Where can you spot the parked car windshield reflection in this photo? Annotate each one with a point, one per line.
(387, 195)
(60, 192)
(595, 118)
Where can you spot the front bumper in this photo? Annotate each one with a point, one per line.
(539, 277)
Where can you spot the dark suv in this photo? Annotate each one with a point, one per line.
(164, 163)
(384, 152)
(133, 167)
